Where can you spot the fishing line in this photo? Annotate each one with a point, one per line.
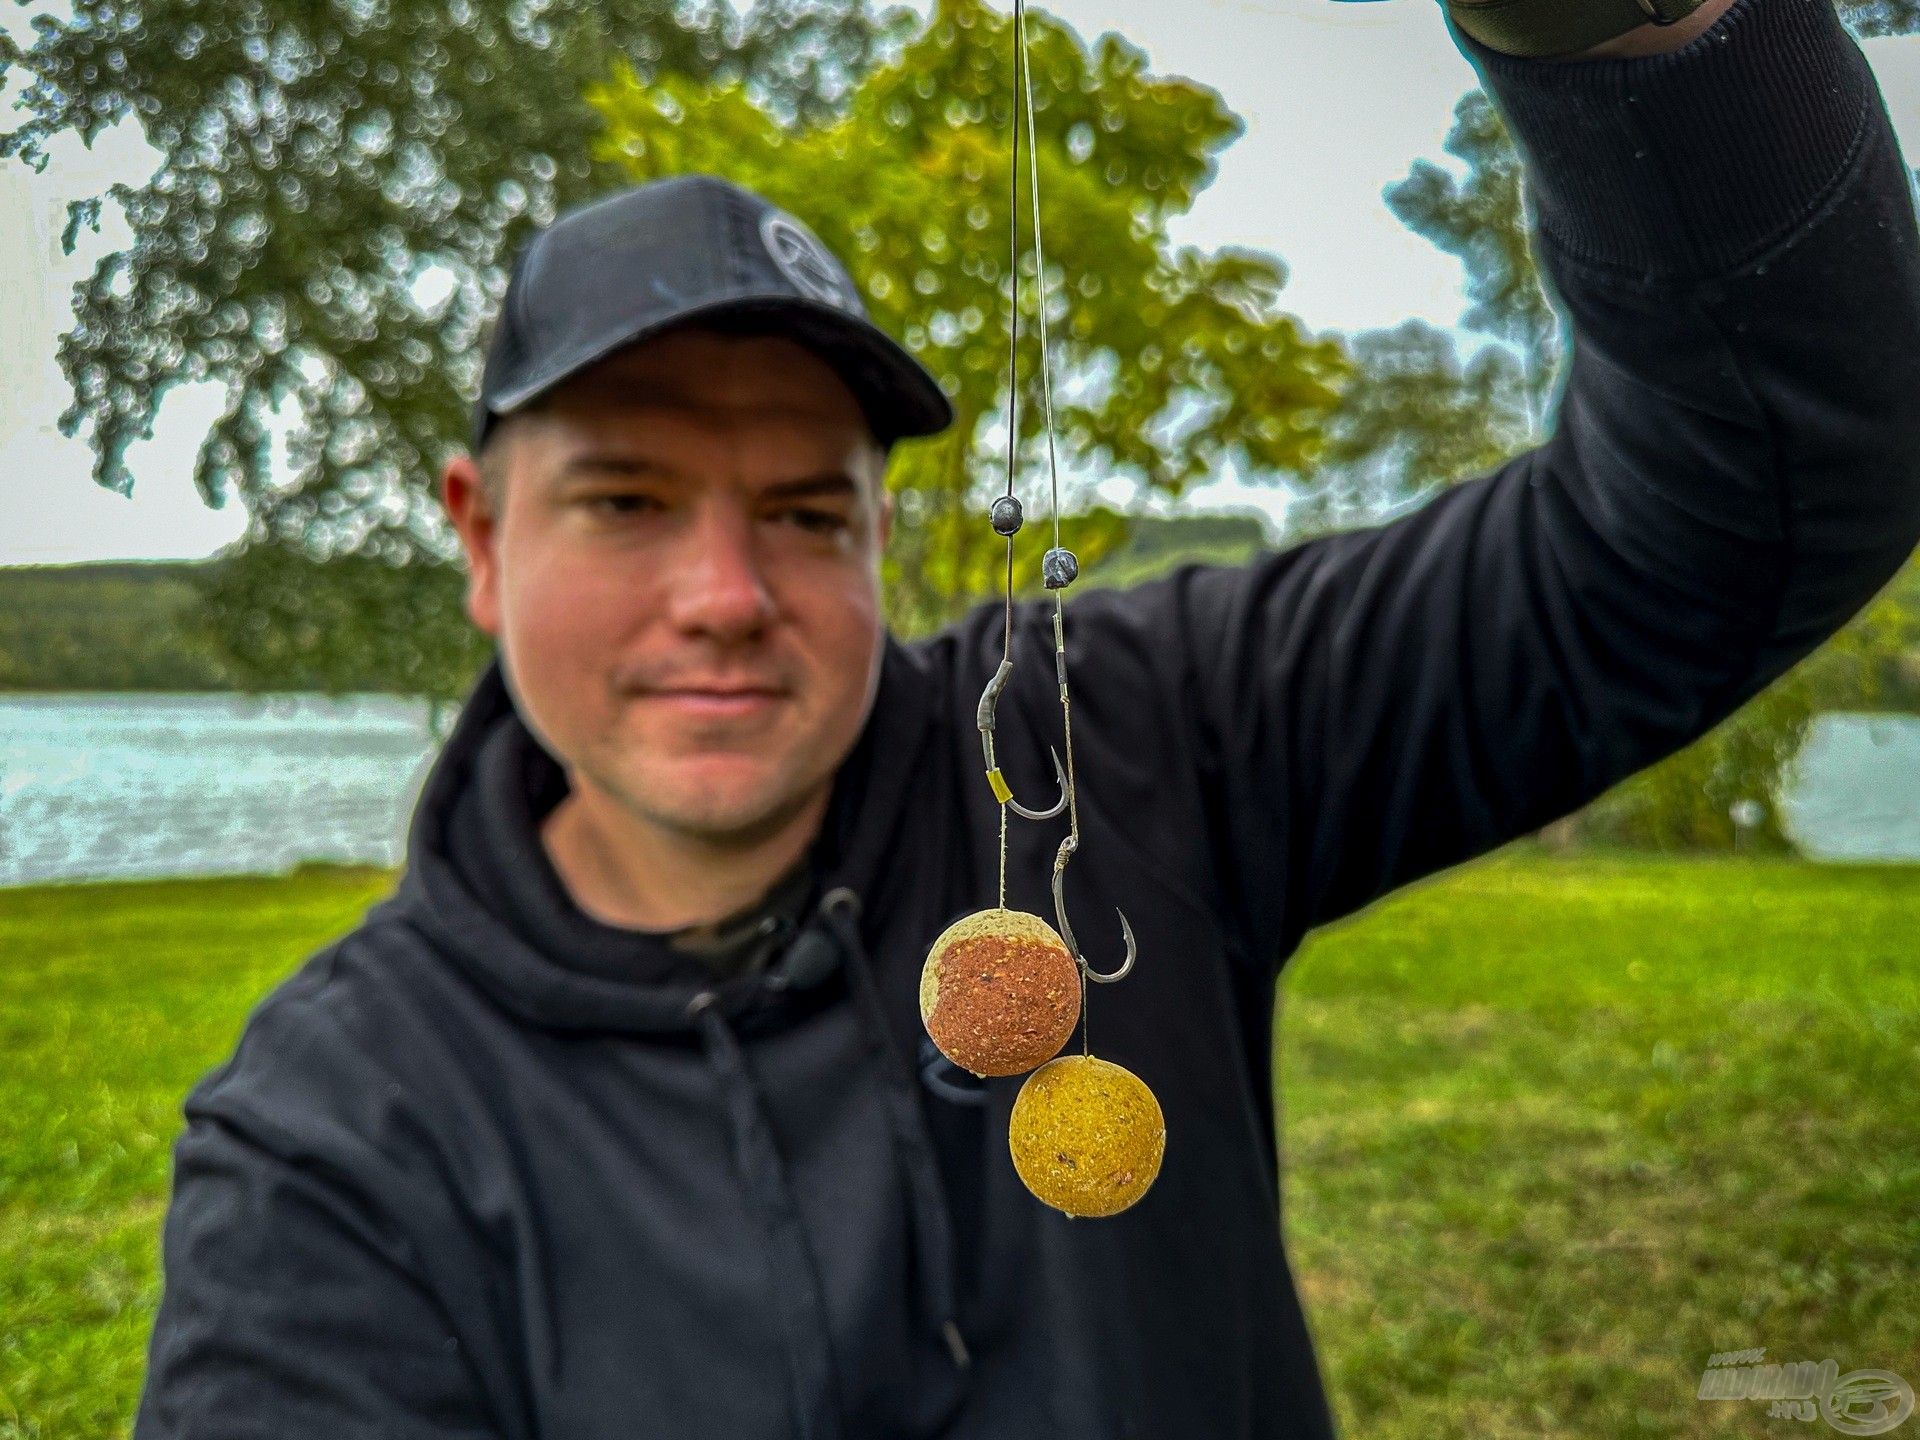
(1001, 990)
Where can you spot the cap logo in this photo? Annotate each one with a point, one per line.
(804, 260)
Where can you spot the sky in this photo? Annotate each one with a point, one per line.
(1338, 99)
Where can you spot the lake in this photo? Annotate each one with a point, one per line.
(95, 786)
(100, 786)
(1856, 791)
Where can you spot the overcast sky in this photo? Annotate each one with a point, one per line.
(1338, 100)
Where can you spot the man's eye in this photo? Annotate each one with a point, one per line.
(619, 504)
(822, 521)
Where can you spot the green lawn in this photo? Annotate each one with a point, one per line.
(114, 999)
(1556, 1130)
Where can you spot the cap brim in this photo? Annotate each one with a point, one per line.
(898, 395)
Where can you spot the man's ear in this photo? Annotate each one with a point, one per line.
(471, 510)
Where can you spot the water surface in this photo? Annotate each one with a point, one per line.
(95, 786)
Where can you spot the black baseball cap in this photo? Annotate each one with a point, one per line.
(681, 250)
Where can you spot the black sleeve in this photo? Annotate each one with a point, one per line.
(1734, 471)
(291, 1307)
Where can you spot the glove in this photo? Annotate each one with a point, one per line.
(1537, 28)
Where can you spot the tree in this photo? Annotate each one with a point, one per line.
(1482, 219)
(1869, 18)
(337, 187)
(340, 185)
(324, 236)
(1166, 363)
(1415, 415)
(282, 620)
(1412, 417)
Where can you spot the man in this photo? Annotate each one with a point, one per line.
(613, 1121)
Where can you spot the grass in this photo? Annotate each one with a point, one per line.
(1555, 1131)
(114, 999)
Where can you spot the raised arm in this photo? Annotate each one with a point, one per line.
(1734, 471)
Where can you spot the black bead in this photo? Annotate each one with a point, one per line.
(1006, 515)
(1058, 569)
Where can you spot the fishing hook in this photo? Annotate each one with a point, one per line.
(989, 701)
(1067, 847)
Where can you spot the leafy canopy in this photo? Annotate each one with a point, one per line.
(1167, 363)
(338, 186)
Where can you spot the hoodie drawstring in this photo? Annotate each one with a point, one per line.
(803, 1312)
(800, 1296)
(933, 1220)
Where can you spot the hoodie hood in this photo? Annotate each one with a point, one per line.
(482, 889)
(479, 881)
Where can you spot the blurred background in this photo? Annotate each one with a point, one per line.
(1559, 1125)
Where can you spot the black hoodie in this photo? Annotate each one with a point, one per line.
(487, 1168)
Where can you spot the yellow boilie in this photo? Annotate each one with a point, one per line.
(1087, 1136)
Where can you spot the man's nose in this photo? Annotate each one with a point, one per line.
(717, 587)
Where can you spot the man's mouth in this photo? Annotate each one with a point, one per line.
(715, 702)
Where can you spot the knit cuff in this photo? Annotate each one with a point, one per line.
(1686, 165)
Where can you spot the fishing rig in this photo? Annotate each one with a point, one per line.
(1002, 990)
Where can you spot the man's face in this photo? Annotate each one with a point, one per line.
(682, 573)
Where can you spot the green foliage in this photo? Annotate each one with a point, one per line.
(282, 620)
(259, 619)
(1482, 219)
(1414, 417)
(1531, 1110)
(103, 627)
(337, 190)
(1878, 668)
(325, 235)
(1687, 801)
(1154, 545)
(340, 187)
(1161, 541)
(262, 619)
(1167, 363)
